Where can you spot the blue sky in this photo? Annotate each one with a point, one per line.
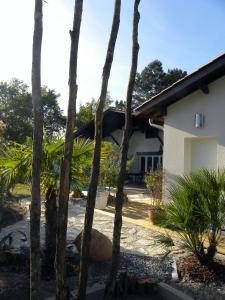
(180, 33)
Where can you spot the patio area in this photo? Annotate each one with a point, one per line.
(136, 212)
(141, 252)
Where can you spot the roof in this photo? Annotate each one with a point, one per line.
(113, 119)
(199, 79)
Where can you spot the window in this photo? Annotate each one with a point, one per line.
(150, 163)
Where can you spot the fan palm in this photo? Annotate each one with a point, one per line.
(197, 211)
(16, 164)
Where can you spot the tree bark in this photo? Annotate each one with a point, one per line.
(125, 144)
(37, 150)
(50, 229)
(67, 157)
(92, 190)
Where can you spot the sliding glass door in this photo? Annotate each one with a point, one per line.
(150, 163)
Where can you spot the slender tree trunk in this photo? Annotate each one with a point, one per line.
(37, 150)
(125, 144)
(92, 190)
(67, 157)
(50, 229)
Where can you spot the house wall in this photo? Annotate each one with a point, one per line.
(188, 148)
(138, 143)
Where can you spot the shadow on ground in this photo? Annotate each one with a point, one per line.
(137, 210)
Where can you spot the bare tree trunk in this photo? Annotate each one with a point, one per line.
(37, 150)
(67, 157)
(92, 190)
(125, 144)
(50, 229)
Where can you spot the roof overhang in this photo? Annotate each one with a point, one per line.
(156, 107)
(113, 120)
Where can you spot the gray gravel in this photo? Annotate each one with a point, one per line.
(136, 265)
(200, 291)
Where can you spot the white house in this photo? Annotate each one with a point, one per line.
(192, 113)
(145, 147)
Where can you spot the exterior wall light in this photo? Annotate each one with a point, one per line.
(199, 120)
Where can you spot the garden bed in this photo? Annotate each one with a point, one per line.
(190, 268)
(201, 282)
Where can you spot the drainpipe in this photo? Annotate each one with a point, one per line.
(155, 125)
(158, 127)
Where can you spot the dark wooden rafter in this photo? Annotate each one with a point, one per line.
(204, 87)
(114, 140)
(162, 110)
(160, 140)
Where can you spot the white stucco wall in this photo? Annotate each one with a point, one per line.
(188, 148)
(138, 143)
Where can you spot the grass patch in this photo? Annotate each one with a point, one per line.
(22, 190)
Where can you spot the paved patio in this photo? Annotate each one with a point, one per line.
(134, 239)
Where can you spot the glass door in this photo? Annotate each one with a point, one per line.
(150, 163)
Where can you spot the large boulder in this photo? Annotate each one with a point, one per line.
(101, 246)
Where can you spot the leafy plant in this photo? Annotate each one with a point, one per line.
(109, 165)
(197, 211)
(16, 162)
(153, 181)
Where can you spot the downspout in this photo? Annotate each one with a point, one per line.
(157, 127)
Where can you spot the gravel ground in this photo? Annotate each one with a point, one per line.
(136, 265)
(200, 291)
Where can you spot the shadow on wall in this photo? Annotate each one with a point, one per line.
(168, 180)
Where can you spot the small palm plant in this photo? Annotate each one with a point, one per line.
(197, 211)
(15, 167)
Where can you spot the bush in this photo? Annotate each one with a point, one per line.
(153, 181)
(197, 210)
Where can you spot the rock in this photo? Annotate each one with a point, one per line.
(101, 246)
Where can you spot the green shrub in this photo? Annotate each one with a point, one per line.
(197, 210)
(153, 181)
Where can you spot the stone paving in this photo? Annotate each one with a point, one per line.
(134, 239)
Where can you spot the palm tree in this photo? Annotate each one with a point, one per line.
(15, 167)
(197, 211)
